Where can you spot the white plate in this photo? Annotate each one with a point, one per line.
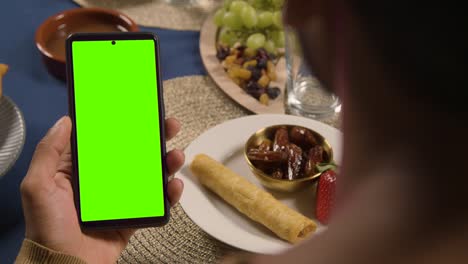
(12, 134)
(225, 143)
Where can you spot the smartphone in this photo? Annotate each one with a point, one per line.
(118, 143)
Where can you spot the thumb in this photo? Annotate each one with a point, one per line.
(47, 155)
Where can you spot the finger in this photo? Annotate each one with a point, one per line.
(67, 149)
(174, 160)
(119, 237)
(238, 258)
(49, 151)
(125, 234)
(172, 128)
(63, 181)
(65, 164)
(174, 190)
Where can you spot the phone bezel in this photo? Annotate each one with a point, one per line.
(119, 223)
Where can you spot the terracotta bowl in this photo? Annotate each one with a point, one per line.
(51, 35)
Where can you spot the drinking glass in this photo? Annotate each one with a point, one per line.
(305, 95)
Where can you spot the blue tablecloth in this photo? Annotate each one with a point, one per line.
(43, 99)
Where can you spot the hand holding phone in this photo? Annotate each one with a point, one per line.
(47, 195)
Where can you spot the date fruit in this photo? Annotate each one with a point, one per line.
(303, 137)
(281, 139)
(294, 161)
(315, 156)
(267, 156)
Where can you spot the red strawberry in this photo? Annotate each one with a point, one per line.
(325, 196)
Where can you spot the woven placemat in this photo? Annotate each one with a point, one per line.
(199, 105)
(170, 14)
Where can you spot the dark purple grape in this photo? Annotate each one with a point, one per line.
(254, 89)
(241, 50)
(262, 53)
(262, 63)
(222, 53)
(273, 92)
(251, 85)
(256, 73)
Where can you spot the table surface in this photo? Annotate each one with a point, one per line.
(43, 99)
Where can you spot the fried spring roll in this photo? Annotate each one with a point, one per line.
(252, 201)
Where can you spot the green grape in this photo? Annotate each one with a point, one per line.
(270, 46)
(265, 19)
(232, 20)
(227, 36)
(278, 19)
(277, 4)
(242, 37)
(227, 4)
(237, 6)
(278, 38)
(218, 17)
(249, 16)
(258, 4)
(256, 41)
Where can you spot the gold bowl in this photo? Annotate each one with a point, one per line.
(283, 185)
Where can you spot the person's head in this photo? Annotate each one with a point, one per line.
(417, 46)
(399, 67)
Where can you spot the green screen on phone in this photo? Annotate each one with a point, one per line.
(117, 130)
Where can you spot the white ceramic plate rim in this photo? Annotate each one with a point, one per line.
(19, 147)
(213, 142)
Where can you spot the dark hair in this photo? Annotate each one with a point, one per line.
(424, 44)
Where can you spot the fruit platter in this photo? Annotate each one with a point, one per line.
(242, 48)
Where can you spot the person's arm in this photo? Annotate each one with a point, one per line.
(34, 253)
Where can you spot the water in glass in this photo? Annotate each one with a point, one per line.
(305, 94)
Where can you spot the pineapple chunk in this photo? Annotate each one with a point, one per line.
(272, 76)
(244, 74)
(271, 71)
(264, 81)
(3, 70)
(250, 63)
(248, 52)
(264, 99)
(237, 72)
(270, 66)
(230, 59)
